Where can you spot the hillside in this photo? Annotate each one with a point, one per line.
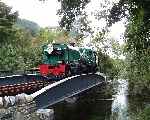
(28, 25)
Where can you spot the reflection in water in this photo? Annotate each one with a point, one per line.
(120, 103)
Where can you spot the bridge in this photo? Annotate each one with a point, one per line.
(62, 89)
(65, 88)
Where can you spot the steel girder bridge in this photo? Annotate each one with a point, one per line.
(56, 91)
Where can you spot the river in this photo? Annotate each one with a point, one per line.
(88, 107)
(119, 107)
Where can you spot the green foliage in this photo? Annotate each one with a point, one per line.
(16, 52)
(106, 65)
(143, 114)
(21, 41)
(137, 42)
(7, 19)
(112, 67)
(19, 54)
(81, 27)
(118, 11)
(48, 35)
(69, 11)
(120, 66)
(25, 52)
(21, 48)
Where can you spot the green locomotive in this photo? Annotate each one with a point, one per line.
(65, 60)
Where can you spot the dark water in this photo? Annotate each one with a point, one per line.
(95, 107)
(83, 110)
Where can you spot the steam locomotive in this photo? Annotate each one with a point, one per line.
(67, 60)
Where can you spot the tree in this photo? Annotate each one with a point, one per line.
(12, 54)
(137, 42)
(49, 35)
(106, 64)
(69, 11)
(7, 20)
(16, 52)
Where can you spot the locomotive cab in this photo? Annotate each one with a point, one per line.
(63, 60)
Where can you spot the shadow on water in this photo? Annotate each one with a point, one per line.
(91, 105)
(88, 106)
(83, 110)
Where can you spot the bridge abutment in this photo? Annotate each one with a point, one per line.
(25, 112)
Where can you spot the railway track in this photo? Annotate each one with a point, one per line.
(17, 84)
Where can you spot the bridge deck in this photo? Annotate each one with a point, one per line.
(65, 88)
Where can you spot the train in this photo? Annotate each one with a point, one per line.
(66, 60)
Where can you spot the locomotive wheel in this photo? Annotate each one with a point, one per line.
(95, 69)
(67, 72)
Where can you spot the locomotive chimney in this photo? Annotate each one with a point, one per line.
(72, 44)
